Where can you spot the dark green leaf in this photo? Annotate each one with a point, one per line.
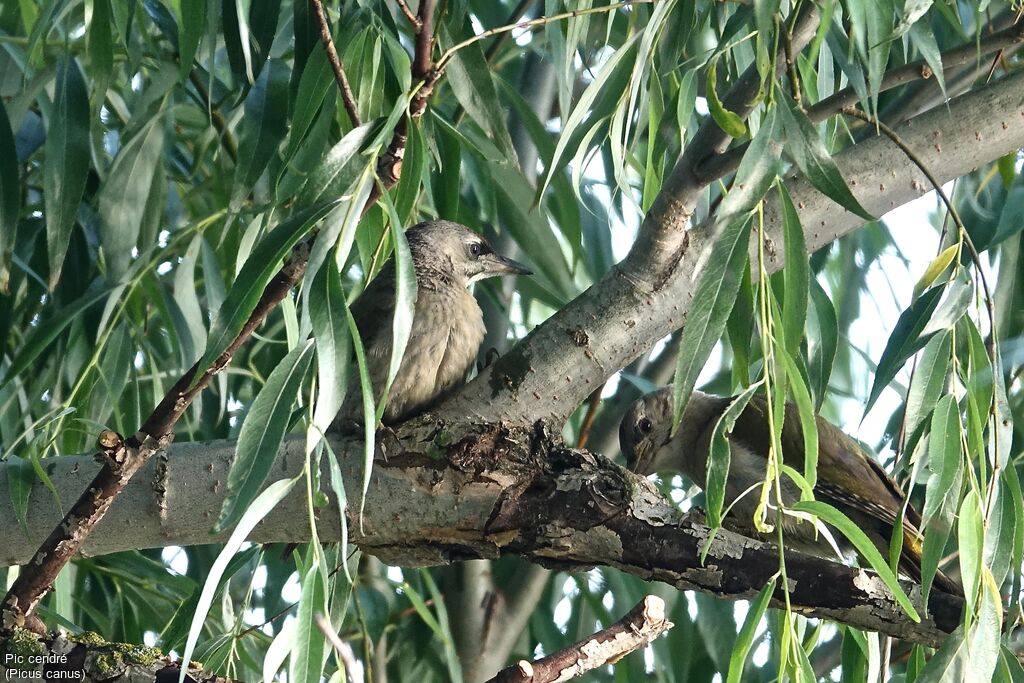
(719, 457)
(10, 196)
(726, 120)
(67, 161)
(864, 546)
(905, 341)
(746, 636)
(309, 644)
(813, 159)
(261, 435)
(263, 127)
(796, 275)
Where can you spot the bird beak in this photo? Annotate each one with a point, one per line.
(501, 265)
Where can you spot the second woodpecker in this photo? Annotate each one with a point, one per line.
(447, 326)
(848, 478)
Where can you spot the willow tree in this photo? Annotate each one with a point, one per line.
(190, 191)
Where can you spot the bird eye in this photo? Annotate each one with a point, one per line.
(475, 249)
(644, 425)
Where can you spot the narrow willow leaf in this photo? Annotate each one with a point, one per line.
(261, 265)
(905, 341)
(814, 160)
(333, 346)
(822, 344)
(338, 170)
(949, 664)
(308, 652)
(942, 491)
(278, 650)
(745, 639)
(929, 380)
(719, 280)
(728, 121)
(262, 433)
(713, 299)
(191, 16)
(808, 418)
(879, 15)
(67, 161)
(451, 656)
(971, 532)
(263, 504)
(369, 414)
(983, 638)
(999, 538)
(611, 78)
(314, 84)
(959, 294)
(405, 297)
(945, 455)
(263, 127)
(935, 268)
(472, 82)
(719, 457)
(338, 487)
(864, 546)
(124, 193)
(20, 477)
(796, 275)
(10, 197)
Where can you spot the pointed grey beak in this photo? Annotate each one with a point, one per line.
(501, 265)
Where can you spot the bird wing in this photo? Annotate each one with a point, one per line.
(374, 309)
(850, 467)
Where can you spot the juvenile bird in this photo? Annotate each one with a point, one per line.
(848, 478)
(447, 326)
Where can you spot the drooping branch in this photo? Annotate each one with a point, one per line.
(636, 630)
(558, 365)
(498, 491)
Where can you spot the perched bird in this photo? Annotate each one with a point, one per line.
(447, 326)
(848, 478)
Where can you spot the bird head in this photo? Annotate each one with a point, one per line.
(645, 431)
(458, 251)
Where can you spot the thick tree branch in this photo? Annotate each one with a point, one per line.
(561, 362)
(636, 630)
(500, 491)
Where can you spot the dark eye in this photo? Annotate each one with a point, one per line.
(475, 249)
(644, 425)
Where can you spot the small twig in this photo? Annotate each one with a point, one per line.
(588, 420)
(636, 630)
(534, 23)
(413, 19)
(794, 79)
(339, 69)
(343, 649)
(389, 164)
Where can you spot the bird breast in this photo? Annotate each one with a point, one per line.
(446, 335)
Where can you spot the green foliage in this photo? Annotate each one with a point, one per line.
(160, 160)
